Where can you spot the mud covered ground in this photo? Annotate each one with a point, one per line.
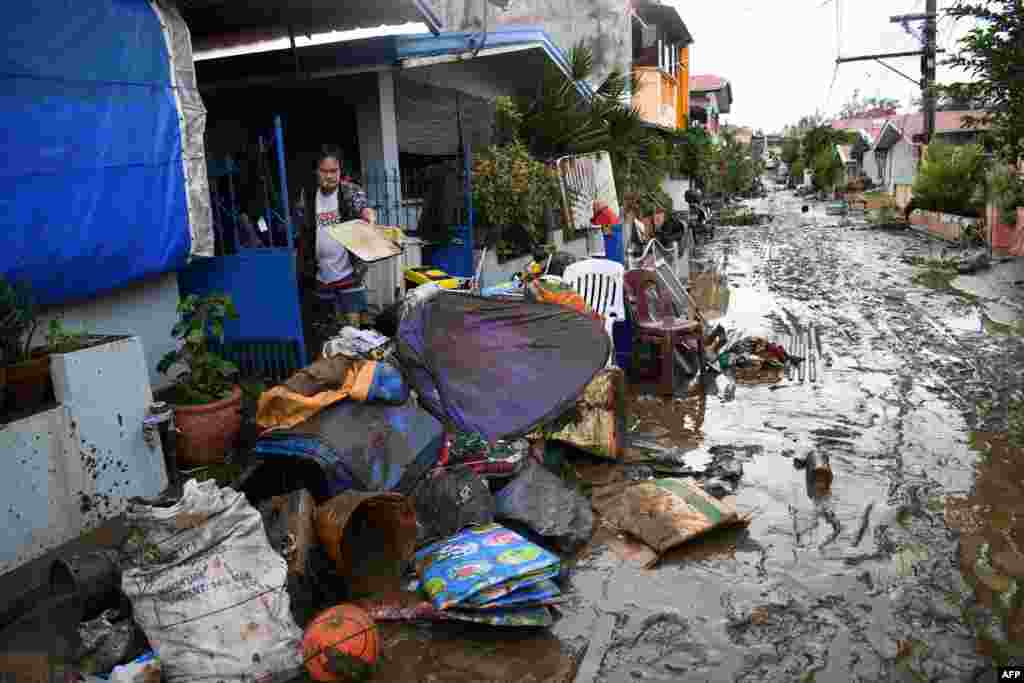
(880, 581)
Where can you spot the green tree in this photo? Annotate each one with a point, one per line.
(992, 54)
(561, 119)
(951, 179)
(827, 168)
(868, 107)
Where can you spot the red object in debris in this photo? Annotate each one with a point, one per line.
(604, 216)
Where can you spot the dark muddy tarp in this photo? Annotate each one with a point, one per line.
(499, 367)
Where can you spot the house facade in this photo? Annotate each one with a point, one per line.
(710, 97)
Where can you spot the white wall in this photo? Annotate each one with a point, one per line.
(676, 189)
(146, 309)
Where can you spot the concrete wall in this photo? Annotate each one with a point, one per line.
(603, 25)
(147, 310)
(903, 165)
(676, 189)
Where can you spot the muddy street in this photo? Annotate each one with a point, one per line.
(864, 584)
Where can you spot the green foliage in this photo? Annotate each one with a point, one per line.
(827, 168)
(560, 120)
(1006, 191)
(949, 179)
(790, 151)
(17, 315)
(868, 107)
(511, 188)
(60, 339)
(991, 54)
(207, 377)
(731, 168)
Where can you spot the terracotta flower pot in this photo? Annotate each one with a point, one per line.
(208, 431)
(28, 382)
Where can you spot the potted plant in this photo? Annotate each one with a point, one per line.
(60, 339)
(27, 375)
(206, 398)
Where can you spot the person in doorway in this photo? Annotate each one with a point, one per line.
(335, 274)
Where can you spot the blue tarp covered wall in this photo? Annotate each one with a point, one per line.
(92, 182)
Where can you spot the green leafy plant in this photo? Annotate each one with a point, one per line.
(950, 179)
(512, 189)
(827, 168)
(207, 377)
(17, 315)
(60, 339)
(990, 56)
(1006, 191)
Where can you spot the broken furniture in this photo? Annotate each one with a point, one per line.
(655, 321)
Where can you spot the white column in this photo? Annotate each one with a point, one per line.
(377, 123)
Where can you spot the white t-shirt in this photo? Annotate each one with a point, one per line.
(332, 259)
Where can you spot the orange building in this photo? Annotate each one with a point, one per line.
(661, 58)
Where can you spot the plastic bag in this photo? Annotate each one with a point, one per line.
(542, 501)
(209, 591)
(455, 499)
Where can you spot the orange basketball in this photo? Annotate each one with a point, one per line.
(340, 644)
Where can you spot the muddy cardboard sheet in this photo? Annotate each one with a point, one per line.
(664, 513)
(368, 242)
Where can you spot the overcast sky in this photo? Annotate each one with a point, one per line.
(780, 56)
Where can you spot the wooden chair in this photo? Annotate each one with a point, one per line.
(655, 321)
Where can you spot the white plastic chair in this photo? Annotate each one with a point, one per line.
(600, 283)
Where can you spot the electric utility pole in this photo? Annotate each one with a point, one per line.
(928, 62)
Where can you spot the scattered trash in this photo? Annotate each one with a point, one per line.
(542, 501)
(485, 568)
(354, 343)
(203, 573)
(665, 513)
(312, 582)
(94, 578)
(288, 521)
(326, 382)
(973, 264)
(502, 460)
(108, 640)
(361, 446)
(819, 473)
(145, 668)
(597, 423)
(452, 500)
(341, 644)
(368, 536)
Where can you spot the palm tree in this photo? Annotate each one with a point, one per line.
(567, 116)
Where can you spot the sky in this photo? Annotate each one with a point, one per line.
(780, 56)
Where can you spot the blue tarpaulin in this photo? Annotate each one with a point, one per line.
(92, 178)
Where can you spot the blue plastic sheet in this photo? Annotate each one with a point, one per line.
(92, 183)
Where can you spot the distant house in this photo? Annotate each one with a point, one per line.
(897, 149)
(710, 97)
(661, 59)
(887, 152)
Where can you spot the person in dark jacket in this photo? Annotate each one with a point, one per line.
(326, 266)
